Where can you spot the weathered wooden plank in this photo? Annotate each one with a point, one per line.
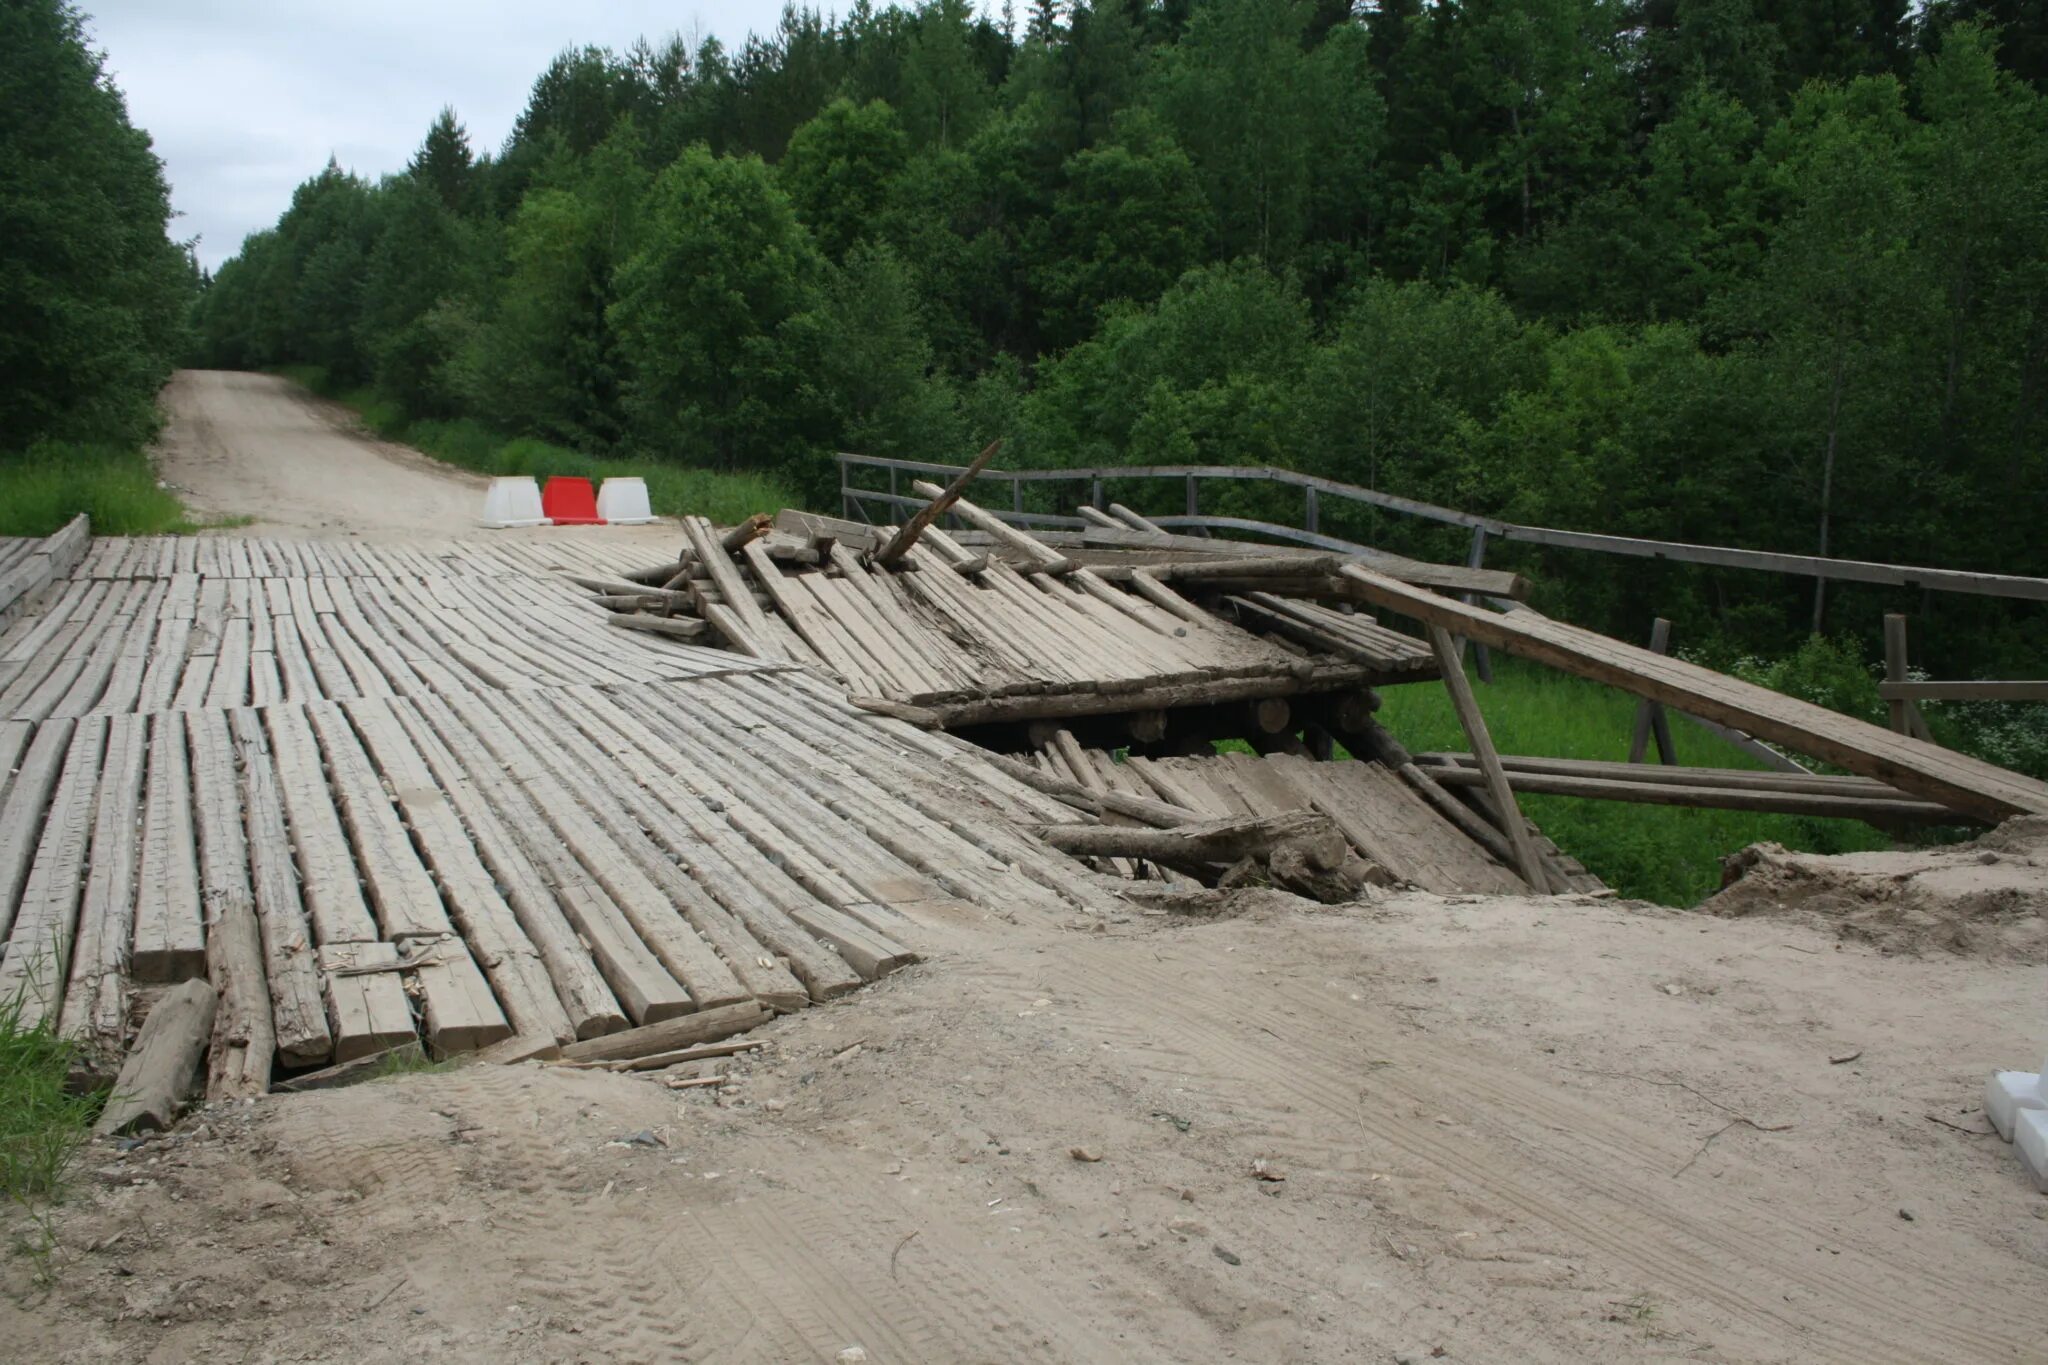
(244, 1044)
(488, 924)
(368, 1007)
(170, 935)
(402, 893)
(95, 1011)
(38, 955)
(298, 1007)
(21, 819)
(327, 872)
(1914, 766)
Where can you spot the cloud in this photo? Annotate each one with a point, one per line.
(245, 99)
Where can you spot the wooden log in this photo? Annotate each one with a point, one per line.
(1269, 715)
(1158, 814)
(1970, 785)
(744, 534)
(164, 1065)
(96, 1001)
(941, 500)
(1037, 557)
(705, 1026)
(1736, 779)
(1507, 814)
(1147, 727)
(1873, 808)
(1198, 844)
(921, 716)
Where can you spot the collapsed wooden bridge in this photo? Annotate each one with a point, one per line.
(422, 795)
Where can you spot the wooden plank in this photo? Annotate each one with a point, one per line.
(244, 1043)
(628, 824)
(488, 924)
(291, 969)
(21, 818)
(644, 986)
(579, 987)
(368, 1008)
(170, 936)
(1914, 766)
(327, 871)
(95, 1014)
(38, 958)
(402, 893)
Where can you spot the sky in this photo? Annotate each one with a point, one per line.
(245, 98)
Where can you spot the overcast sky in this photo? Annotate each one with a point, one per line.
(245, 99)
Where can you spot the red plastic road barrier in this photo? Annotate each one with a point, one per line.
(570, 502)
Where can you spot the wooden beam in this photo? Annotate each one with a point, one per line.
(1710, 797)
(1962, 690)
(900, 543)
(1970, 785)
(1505, 810)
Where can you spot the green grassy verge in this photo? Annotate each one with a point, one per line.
(55, 481)
(672, 490)
(1661, 853)
(42, 1124)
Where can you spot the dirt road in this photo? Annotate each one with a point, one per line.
(1509, 1130)
(254, 445)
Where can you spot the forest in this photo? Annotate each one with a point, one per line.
(1710, 270)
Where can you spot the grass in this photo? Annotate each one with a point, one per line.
(55, 481)
(1668, 854)
(42, 1124)
(672, 489)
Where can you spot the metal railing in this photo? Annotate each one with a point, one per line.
(855, 502)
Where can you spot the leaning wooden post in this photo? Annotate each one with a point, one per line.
(900, 543)
(1503, 796)
(1650, 717)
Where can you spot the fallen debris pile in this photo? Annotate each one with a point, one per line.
(1986, 899)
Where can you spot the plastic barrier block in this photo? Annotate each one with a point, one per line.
(513, 501)
(570, 502)
(2008, 1092)
(623, 502)
(2030, 1139)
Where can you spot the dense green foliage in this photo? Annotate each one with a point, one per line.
(93, 292)
(1712, 270)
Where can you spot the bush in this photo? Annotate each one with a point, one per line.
(42, 1124)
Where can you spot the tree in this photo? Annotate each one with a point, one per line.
(443, 163)
(838, 170)
(92, 289)
(884, 394)
(704, 312)
(1127, 221)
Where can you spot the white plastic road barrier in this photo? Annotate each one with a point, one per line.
(2030, 1136)
(623, 502)
(513, 502)
(2009, 1092)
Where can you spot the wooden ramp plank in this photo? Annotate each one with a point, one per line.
(369, 1007)
(402, 894)
(297, 1006)
(21, 819)
(96, 1001)
(39, 947)
(327, 871)
(488, 924)
(244, 1043)
(170, 936)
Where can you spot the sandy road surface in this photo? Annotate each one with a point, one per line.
(238, 444)
(1510, 1130)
